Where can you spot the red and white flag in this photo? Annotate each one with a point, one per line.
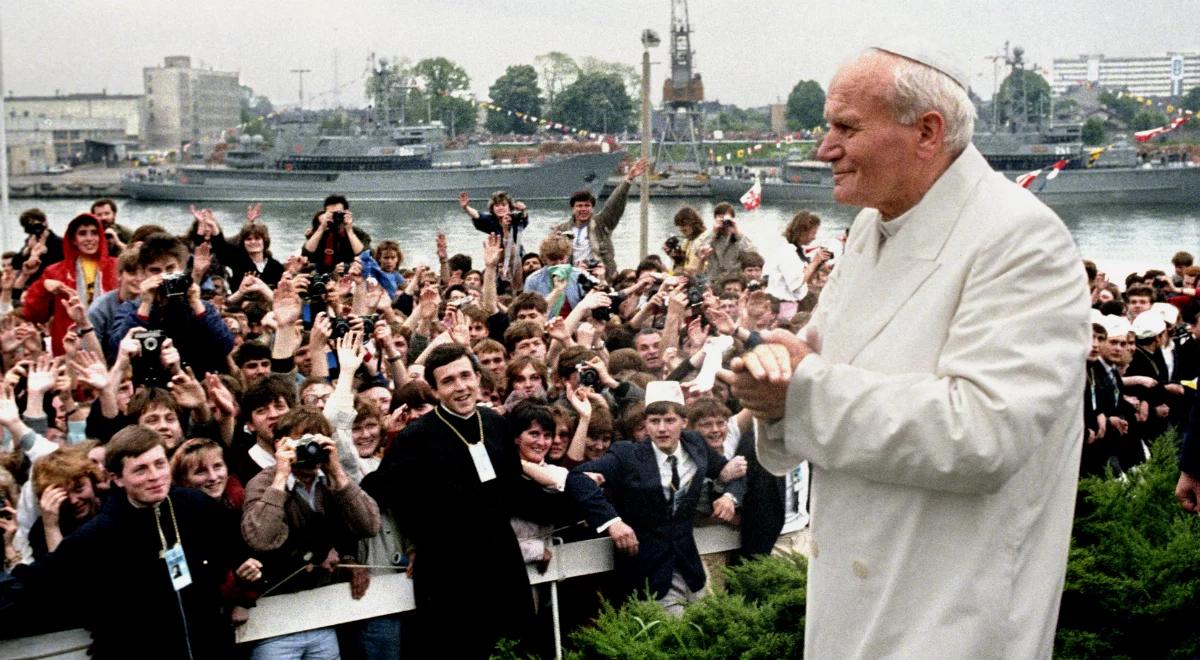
(1025, 179)
(1055, 169)
(1144, 136)
(753, 197)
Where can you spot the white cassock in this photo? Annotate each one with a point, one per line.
(943, 422)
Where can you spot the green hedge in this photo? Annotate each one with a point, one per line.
(1132, 588)
(1133, 578)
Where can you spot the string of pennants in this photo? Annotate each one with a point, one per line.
(541, 122)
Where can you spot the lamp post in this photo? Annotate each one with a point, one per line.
(649, 40)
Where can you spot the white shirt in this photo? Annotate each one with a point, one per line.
(260, 456)
(784, 271)
(581, 244)
(684, 465)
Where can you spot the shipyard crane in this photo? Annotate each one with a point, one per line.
(682, 93)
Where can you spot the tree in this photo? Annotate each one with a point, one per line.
(335, 123)
(628, 73)
(252, 105)
(595, 101)
(557, 71)
(1147, 118)
(441, 79)
(805, 106)
(1021, 101)
(1191, 100)
(1122, 105)
(516, 90)
(1093, 131)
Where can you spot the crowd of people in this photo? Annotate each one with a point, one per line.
(193, 423)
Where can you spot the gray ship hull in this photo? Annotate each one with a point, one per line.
(550, 181)
(1125, 186)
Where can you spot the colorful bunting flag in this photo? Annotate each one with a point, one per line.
(1025, 179)
(1055, 169)
(753, 197)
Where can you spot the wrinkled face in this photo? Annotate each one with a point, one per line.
(105, 214)
(650, 348)
(664, 431)
(872, 154)
(1118, 350)
(209, 474)
(262, 420)
(163, 421)
(528, 382)
(457, 386)
(87, 240)
(582, 212)
(253, 244)
(366, 434)
(1138, 304)
(712, 429)
(381, 397)
(596, 445)
(473, 281)
(146, 478)
(255, 369)
(316, 395)
(558, 444)
(389, 261)
(533, 443)
(493, 362)
(533, 347)
(478, 330)
(82, 499)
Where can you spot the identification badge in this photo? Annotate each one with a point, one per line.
(483, 462)
(177, 567)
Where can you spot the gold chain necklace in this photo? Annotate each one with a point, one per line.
(445, 421)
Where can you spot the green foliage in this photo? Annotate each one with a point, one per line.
(441, 79)
(760, 616)
(805, 106)
(335, 123)
(1093, 131)
(595, 101)
(629, 74)
(1034, 103)
(1123, 106)
(557, 71)
(517, 89)
(1147, 118)
(1133, 576)
(734, 118)
(1191, 100)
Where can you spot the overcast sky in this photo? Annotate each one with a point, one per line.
(749, 53)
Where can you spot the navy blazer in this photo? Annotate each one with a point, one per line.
(665, 540)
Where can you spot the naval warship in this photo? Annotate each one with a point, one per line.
(401, 163)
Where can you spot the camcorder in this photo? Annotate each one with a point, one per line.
(587, 283)
(175, 285)
(309, 452)
(147, 367)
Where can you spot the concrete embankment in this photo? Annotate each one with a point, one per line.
(85, 183)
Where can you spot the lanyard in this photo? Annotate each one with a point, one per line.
(445, 421)
(174, 523)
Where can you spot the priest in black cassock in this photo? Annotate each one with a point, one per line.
(453, 480)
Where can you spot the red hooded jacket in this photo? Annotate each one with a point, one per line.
(39, 305)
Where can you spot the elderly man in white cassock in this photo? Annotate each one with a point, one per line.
(935, 391)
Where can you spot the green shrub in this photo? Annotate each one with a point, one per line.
(1133, 576)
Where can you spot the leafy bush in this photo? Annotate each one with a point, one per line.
(1133, 577)
(759, 616)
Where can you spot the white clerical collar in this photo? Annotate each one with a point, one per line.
(889, 228)
(260, 456)
(472, 414)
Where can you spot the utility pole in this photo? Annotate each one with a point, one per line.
(301, 73)
(4, 244)
(337, 90)
(649, 40)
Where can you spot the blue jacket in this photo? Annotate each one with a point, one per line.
(203, 341)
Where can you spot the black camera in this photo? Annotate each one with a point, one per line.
(588, 376)
(672, 244)
(754, 285)
(587, 282)
(593, 263)
(604, 313)
(695, 291)
(339, 218)
(175, 285)
(369, 321)
(147, 366)
(340, 327)
(318, 286)
(309, 452)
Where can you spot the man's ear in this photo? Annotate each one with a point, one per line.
(931, 134)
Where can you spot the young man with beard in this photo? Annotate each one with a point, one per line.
(453, 480)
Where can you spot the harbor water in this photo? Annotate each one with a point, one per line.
(1120, 239)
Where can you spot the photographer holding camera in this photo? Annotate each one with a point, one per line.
(42, 247)
(170, 303)
(725, 244)
(332, 240)
(304, 512)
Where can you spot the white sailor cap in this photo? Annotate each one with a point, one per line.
(1116, 325)
(928, 54)
(664, 390)
(1149, 324)
(1096, 317)
(1169, 312)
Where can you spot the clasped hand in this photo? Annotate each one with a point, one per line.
(760, 377)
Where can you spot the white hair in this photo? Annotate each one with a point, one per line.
(918, 88)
